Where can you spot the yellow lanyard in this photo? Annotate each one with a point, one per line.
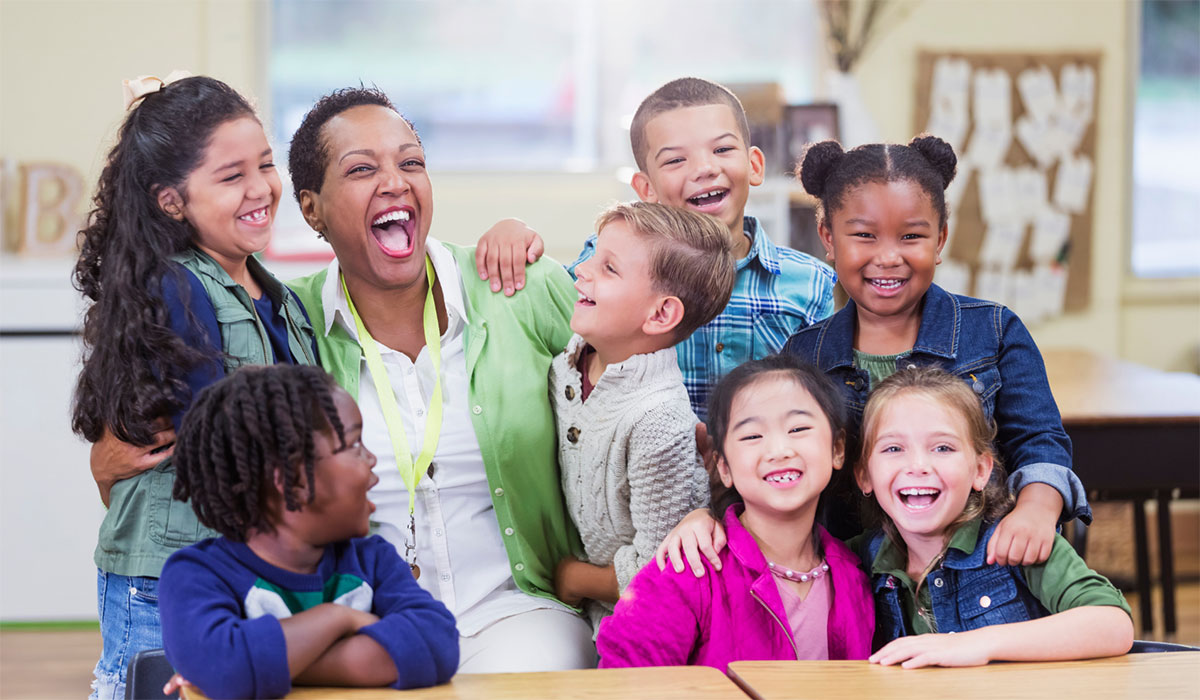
(410, 471)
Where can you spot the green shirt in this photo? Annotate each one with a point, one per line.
(1060, 583)
(509, 343)
(877, 367)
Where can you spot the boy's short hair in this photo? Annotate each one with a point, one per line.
(677, 94)
(691, 257)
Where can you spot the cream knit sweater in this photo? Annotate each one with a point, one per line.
(630, 468)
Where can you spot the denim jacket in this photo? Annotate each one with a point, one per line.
(987, 345)
(965, 592)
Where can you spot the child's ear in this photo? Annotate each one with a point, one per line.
(724, 473)
(758, 166)
(827, 239)
(665, 318)
(311, 210)
(983, 465)
(862, 477)
(644, 188)
(839, 452)
(170, 201)
(942, 236)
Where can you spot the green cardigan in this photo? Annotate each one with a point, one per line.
(509, 344)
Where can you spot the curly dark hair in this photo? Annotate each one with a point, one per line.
(827, 171)
(720, 405)
(133, 363)
(308, 154)
(242, 430)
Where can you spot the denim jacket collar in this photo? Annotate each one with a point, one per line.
(966, 551)
(938, 334)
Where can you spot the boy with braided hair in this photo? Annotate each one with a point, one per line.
(272, 458)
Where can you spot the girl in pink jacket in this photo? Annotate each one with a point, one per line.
(785, 589)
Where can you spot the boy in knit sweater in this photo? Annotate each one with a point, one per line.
(626, 430)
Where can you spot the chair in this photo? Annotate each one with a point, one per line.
(1141, 646)
(148, 672)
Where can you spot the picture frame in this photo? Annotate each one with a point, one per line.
(805, 124)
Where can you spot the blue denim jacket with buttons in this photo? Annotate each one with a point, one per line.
(965, 592)
(987, 345)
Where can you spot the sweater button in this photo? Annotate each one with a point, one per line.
(508, 531)
(477, 409)
(519, 567)
(570, 392)
(573, 434)
(499, 491)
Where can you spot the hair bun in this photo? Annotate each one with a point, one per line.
(819, 160)
(939, 154)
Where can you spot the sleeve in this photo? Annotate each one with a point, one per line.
(659, 621)
(1064, 581)
(664, 470)
(417, 631)
(589, 249)
(1031, 438)
(552, 308)
(204, 333)
(208, 641)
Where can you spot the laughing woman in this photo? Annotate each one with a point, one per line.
(452, 382)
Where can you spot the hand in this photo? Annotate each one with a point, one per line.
(1026, 535)
(113, 460)
(563, 580)
(501, 254)
(176, 682)
(698, 533)
(962, 649)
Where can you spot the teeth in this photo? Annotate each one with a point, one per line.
(256, 215)
(398, 215)
(919, 492)
(887, 284)
(785, 477)
(706, 195)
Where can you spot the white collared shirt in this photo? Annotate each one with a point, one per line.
(459, 547)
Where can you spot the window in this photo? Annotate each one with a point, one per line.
(1166, 142)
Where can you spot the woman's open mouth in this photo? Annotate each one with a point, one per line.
(393, 231)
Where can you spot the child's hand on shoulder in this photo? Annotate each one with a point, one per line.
(965, 649)
(502, 252)
(1026, 535)
(698, 537)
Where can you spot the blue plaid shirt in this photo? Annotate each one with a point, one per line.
(778, 291)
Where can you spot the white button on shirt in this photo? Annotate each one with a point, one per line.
(459, 545)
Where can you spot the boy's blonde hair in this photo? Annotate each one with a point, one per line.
(691, 257)
(954, 394)
(677, 94)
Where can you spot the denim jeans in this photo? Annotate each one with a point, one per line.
(128, 607)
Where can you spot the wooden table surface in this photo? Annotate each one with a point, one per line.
(1157, 676)
(680, 682)
(1094, 389)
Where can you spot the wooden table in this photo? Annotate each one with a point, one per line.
(679, 682)
(1158, 676)
(1136, 436)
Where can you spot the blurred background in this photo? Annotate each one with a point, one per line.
(524, 106)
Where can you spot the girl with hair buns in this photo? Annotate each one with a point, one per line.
(882, 218)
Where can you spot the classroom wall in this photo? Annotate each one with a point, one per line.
(61, 64)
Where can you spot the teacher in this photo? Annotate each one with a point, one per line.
(452, 383)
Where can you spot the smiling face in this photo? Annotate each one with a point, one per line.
(696, 158)
(616, 289)
(922, 466)
(885, 242)
(376, 202)
(340, 508)
(231, 197)
(779, 451)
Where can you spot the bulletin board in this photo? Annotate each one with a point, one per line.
(1024, 128)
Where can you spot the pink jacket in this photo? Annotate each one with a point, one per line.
(735, 614)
